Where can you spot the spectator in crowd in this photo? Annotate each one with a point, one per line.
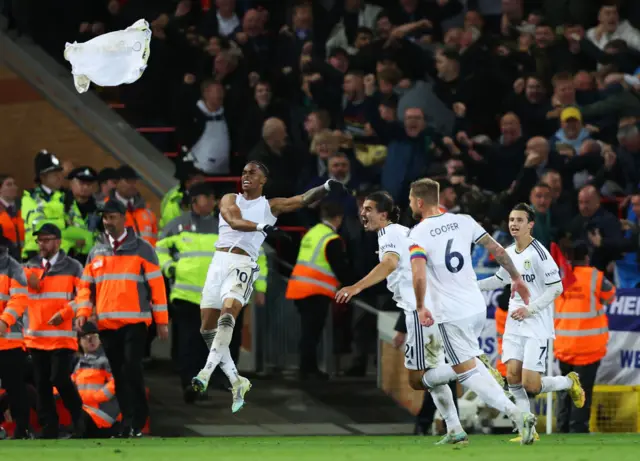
(11, 222)
(593, 216)
(611, 28)
(357, 14)
(572, 132)
(204, 131)
(540, 199)
(273, 152)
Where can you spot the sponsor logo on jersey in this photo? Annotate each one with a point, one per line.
(529, 278)
(387, 246)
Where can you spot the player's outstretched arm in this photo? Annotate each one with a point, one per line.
(287, 205)
(542, 302)
(491, 283)
(378, 274)
(503, 258)
(233, 216)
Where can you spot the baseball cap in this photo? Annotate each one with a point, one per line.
(569, 113)
(49, 229)
(89, 328)
(114, 206)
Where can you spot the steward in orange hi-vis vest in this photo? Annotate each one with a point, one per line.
(52, 279)
(123, 286)
(13, 358)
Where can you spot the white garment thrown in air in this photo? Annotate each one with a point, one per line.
(110, 59)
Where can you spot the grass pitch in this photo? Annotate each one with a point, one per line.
(352, 448)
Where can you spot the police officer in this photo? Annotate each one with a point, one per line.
(48, 203)
(173, 203)
(184, 251)
(83, 182)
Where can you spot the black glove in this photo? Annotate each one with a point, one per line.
(275, 232)
(337, 186)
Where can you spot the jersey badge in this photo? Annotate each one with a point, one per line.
(527, 265)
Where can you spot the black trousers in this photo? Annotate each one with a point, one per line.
(313, 314)
(569, 418)
(191, 349)
(13, 363)
(54, 368)
(125, 348)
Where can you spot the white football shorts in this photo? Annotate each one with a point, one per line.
(460, 338)
(532, 352)
(229, 276)
(423, 345)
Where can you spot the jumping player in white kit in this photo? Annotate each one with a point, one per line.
(459, 308)
(423, 346)
(529, 328)
(245, 220)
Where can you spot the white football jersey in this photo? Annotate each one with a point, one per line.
(452, 286)
(539, 271)
(257, 211)
(393, 239)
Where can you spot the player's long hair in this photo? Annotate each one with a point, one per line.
(384, 204)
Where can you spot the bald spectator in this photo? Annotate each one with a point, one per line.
(256, 44)
(204, 130)
(539, 146)
(273, 151)
(593, 216)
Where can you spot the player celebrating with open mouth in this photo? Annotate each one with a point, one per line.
(423, 347)
(528, 328)
(245, 220)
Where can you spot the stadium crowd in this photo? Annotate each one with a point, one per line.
(502, 101)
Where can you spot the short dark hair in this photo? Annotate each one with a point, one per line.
(261, 166)
(364, 30)
(542, 184)
(531, 214)
(331, 209)
(579, 251)
(385, 204)
(209, 82)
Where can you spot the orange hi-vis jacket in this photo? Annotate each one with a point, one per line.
(501, 321)
(56, 293)
(12, 227)
(13, 301)
(582, 328)
(92, 376)
(141, 219)
(123, 287)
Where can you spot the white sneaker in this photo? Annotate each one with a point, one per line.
(239, 389)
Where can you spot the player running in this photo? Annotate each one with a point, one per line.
(458, 305)
(423, 347)
(245, 220)
(528, 328)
